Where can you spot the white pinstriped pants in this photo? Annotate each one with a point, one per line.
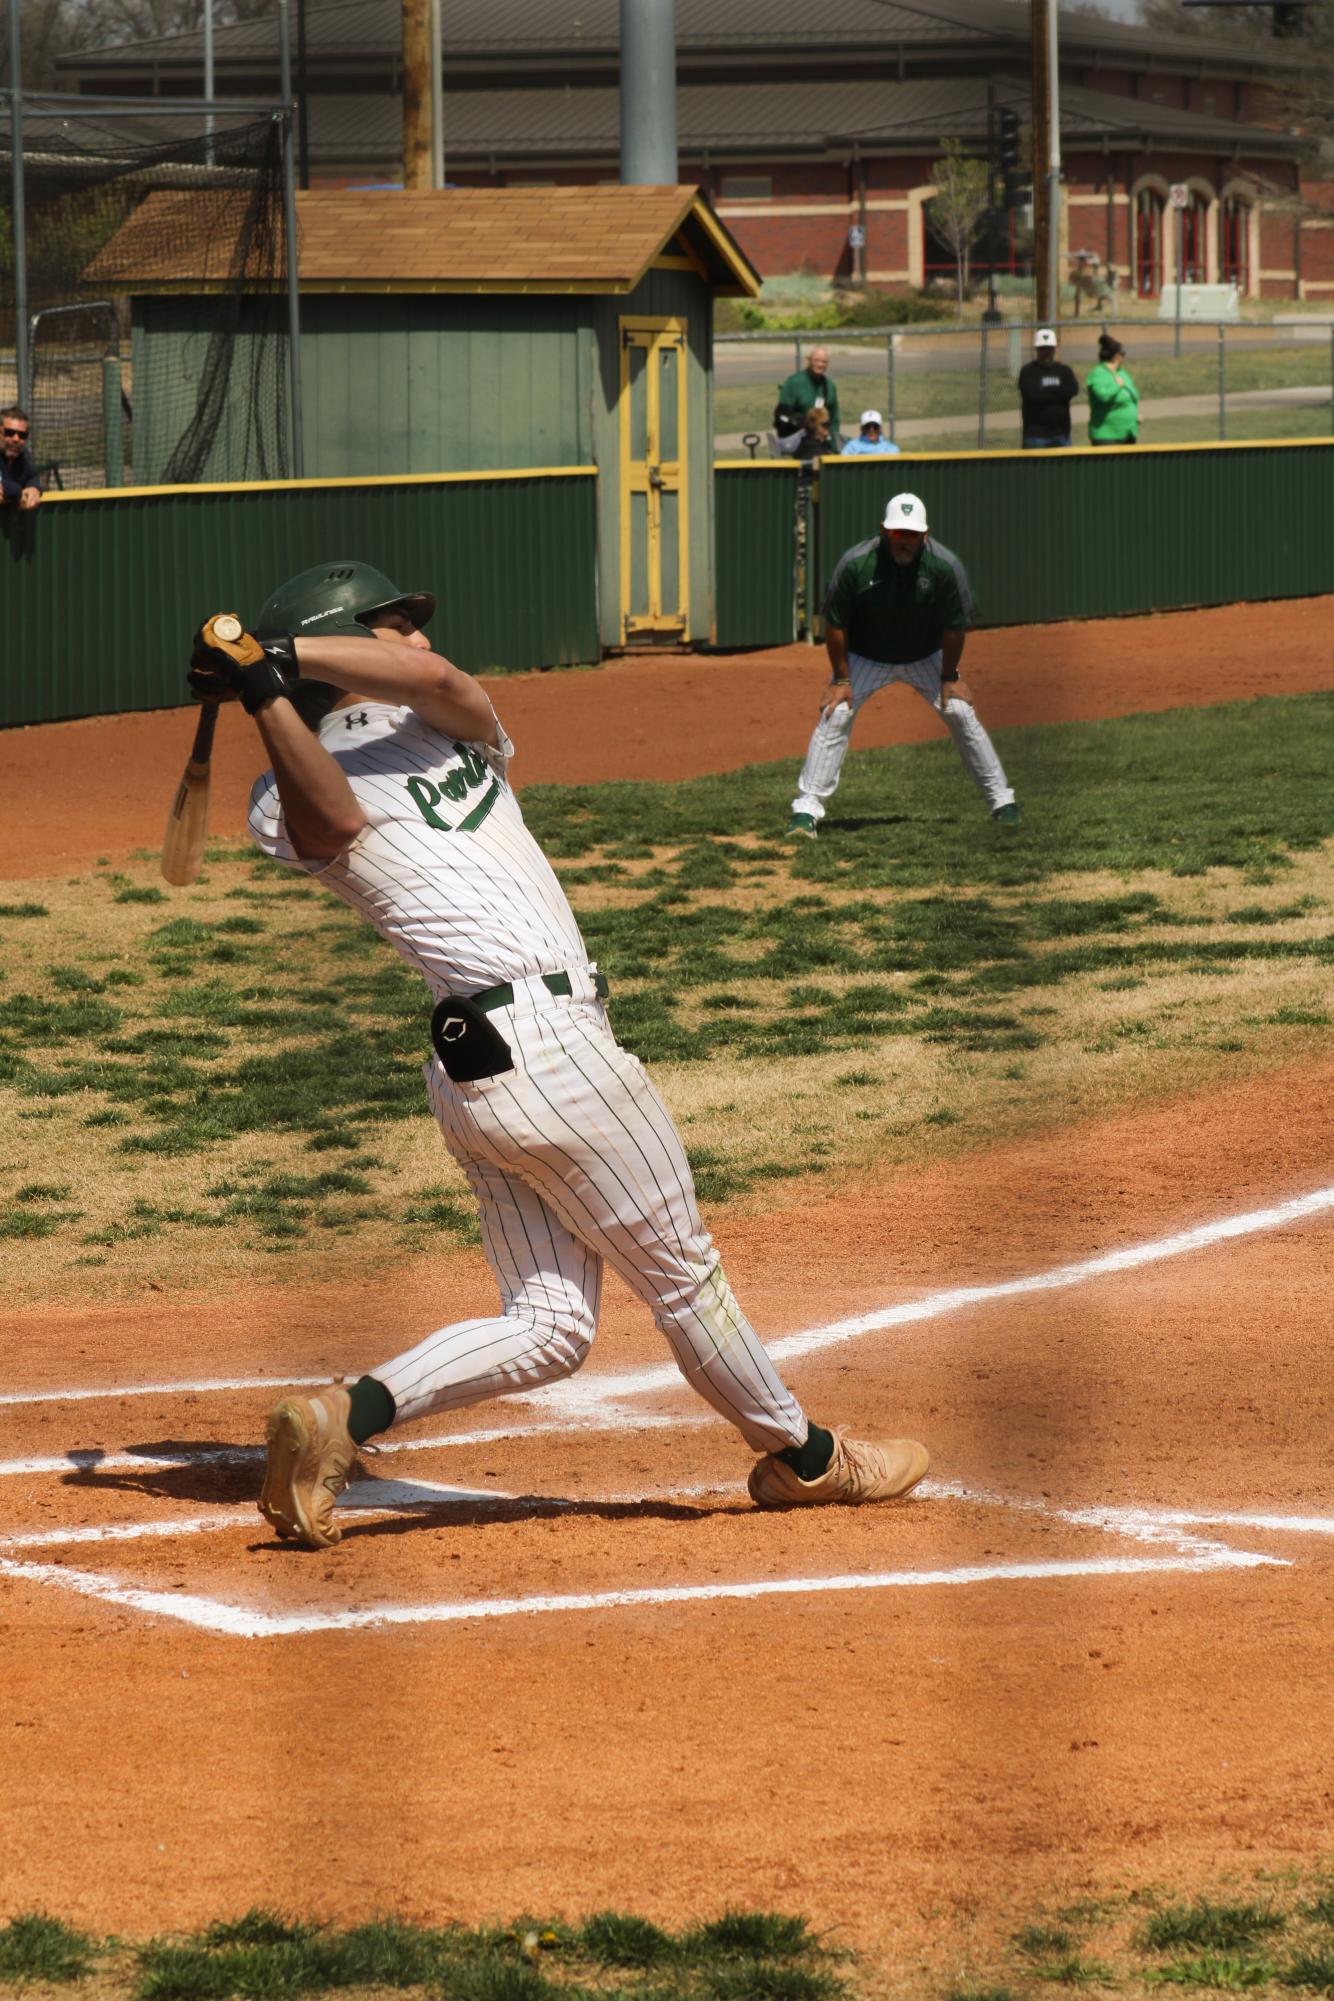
(829, 743)
(574, 1160)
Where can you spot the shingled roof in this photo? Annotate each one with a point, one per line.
(556, 128)
(577, 34)
(561, 239)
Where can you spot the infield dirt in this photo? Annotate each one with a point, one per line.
(923, 1770)
(77, 790)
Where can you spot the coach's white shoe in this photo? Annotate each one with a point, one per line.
(858, 1471)
(311, 1456)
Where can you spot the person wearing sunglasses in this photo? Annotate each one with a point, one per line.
(18, 473)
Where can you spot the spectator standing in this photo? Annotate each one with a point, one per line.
(18, 472)
(1113, 397)
(870, 440)
(809, 389)
(1047, 388)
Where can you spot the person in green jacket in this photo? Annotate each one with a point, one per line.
(809, 389)
(1113, 397)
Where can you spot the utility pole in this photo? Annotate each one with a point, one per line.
(1053, 164)
(22, 367)
(291, 248)
(436, 27)
(302, 92)
(648, 93)
(1043, 303)
(209, 80)
(417, 141)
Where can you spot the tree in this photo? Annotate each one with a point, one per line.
(52, 28)
(963, 192)
(48, 28)
(145, 20)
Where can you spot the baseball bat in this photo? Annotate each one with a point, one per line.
(187, 822)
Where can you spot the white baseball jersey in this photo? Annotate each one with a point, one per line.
(445, 868)
(572, 1154)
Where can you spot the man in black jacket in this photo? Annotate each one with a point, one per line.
(19, 484)
(1047, 389)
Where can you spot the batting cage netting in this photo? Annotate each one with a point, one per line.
(157, 271)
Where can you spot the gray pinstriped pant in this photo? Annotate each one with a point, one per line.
(574, 1161)
(829, 742)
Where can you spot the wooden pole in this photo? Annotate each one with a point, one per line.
(1043, 306)
(417, 140)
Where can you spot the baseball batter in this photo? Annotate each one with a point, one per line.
(389, 783)
(896, 610)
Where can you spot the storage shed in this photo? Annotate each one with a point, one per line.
(480, 329)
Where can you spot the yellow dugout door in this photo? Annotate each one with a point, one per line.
(655, 545)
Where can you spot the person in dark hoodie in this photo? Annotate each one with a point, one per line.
(1047, 388)
(19, 483)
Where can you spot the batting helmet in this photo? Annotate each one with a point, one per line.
(334, 598)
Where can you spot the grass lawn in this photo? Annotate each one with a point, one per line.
(241, 1061)
(1271, 1936)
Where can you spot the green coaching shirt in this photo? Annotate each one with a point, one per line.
(897, 613)
(803, 391)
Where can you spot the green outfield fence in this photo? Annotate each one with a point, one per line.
(101, 591)
(1090, 533)
(755, 530)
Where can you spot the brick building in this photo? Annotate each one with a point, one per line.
(803, 125)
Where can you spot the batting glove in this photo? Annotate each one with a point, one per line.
(223, 669)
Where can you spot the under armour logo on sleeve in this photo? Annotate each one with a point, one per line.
(360, 718)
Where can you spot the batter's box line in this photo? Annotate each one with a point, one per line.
(1190, 1554)
(212, 1615)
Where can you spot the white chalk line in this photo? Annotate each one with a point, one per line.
(202, 1388)
(595, 1391)
(92, 1460)
(247, 1622)
(1188, 1555)
(374, 1497)
(937, 1304)
(596, 1398)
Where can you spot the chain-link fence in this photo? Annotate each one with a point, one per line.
(155, 259)
(943, 389)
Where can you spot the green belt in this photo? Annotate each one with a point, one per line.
(556, 983)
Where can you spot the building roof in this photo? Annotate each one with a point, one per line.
(574, 34)
(567, 126)
(538, 240)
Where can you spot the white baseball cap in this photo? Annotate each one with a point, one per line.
(905, 510)
(871, 417)
(1044, 337)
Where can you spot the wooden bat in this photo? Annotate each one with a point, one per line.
(187, 822)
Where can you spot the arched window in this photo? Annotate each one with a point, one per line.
(1234, 234)
(1194, 239)
(1148, 242)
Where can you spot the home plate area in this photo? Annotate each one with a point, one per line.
(423, 1545)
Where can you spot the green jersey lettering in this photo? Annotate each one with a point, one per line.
(427, 798)
(470, 771)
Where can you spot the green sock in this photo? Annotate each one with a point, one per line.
(810, 1460)
(372, 1409)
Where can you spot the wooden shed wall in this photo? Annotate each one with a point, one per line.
(426, 383)
(443, 383)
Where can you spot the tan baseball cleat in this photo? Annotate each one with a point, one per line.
(857, 1472)
(311, 1456)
